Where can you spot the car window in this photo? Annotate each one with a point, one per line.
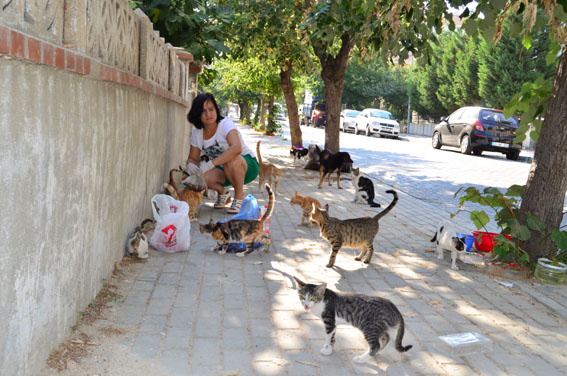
(352, 113)
(456, 115)
(470, 113)
(381, 114)
(496, 117)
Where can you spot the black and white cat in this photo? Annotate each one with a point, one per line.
(446, 238)
(363, 188)
(376, 317)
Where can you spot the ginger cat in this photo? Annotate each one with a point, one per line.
(268, 172)
(306, 203)
(194, 199)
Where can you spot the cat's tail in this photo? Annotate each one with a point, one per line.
(271, 200)
(168, 189)
(392, 204)
(434, 237)
(400, 336)
(172, 180)
(258, 152)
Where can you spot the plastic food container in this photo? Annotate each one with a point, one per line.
(552, 274)
(487, 240)
(468, 239)
(466, 343)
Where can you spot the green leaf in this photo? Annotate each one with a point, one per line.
(516, 190)
(520, 232)
(470, 26)
(535, 223)
(559, 238)
(527, 41)
(479, 218)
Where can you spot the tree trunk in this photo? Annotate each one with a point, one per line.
(258, 111)
(547, 181)
(333, 74)
(271, 117)
(263, 113)
(291, 104)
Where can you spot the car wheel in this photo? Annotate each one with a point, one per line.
(436, 141)
(466, 147)
(477, 152)
(513, 155)
(356, 129)
(368, 133)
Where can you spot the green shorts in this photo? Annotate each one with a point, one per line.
(251, 172)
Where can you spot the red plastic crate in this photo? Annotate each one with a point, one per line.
(486, 241)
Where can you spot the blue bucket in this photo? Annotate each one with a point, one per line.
(468, 239)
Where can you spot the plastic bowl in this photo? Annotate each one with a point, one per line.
(487, 240)
(468, 239)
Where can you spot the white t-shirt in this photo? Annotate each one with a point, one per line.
(216, 145)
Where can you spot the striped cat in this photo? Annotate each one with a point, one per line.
(377, 318)
(355, 232)
(246, 231)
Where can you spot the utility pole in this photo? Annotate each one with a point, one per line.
(409, 97)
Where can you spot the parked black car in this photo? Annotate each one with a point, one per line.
(478, 129)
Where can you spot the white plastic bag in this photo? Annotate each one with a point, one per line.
(173, 229)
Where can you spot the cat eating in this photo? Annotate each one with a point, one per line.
(268, 172)
(247, 231)
(192, 198)
(377, 318)
(363, 188)
(307, 204)
(355, 232)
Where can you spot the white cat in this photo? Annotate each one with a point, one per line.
(446, 238)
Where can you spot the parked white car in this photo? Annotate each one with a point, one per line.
(381, 122)
(347, 120)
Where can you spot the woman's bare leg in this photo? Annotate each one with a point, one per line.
(235, 171)
(214, 179)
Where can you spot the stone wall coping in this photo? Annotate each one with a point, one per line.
(17, 45)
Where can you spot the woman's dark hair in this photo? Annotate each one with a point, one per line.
(194, 115)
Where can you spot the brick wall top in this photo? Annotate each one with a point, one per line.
(107, 31)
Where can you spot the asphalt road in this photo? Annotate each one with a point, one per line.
(409, 164)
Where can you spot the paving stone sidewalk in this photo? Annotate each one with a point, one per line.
(200, 313)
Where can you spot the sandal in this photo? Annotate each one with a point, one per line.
(222, 200)
(235, 207)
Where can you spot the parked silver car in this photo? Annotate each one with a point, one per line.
(381, 122)
(347, 120)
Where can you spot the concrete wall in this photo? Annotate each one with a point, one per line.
(88, 135)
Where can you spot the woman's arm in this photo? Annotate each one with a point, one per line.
(233, 151)
(194, 155)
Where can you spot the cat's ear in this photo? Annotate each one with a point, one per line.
(299, 281)
(320, 289)
(326, 207)
(356, 170)
(211, 222)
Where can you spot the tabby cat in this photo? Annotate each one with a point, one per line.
(137, 244)
(376, 317)
(306, 203)
(192, 198)
(268, 172)
(355, 232)
(246, 231)
(363, 188)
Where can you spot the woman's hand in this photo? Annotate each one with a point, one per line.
(192, 168)
(206, 166)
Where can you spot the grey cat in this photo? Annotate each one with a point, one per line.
(354, 232)
(376, 317)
